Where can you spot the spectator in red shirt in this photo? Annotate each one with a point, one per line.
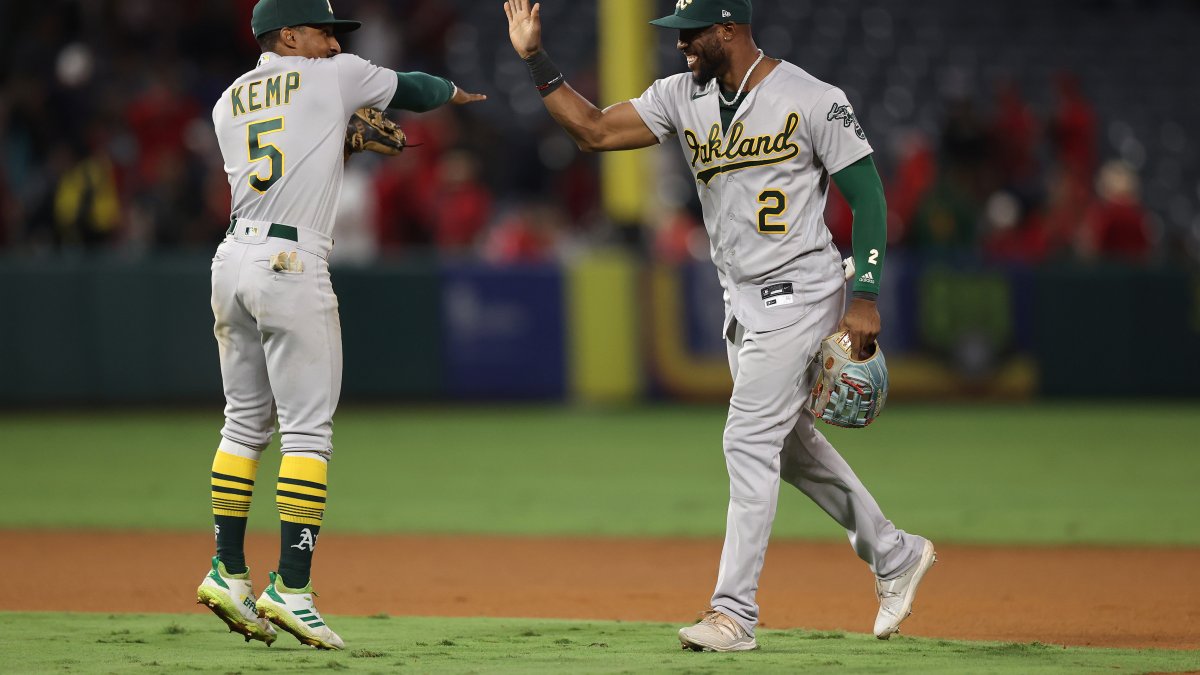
(1073, 128)
(1015, 232)
(405, 190)
(1115, 225)
(465, 203)
(1014, 136)
(915, 174)
(531, 234)
(159, 118)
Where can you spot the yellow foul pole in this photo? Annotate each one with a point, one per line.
(626, 68)
(602, 287)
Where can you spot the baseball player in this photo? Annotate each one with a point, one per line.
(282, 129)
(762, 138)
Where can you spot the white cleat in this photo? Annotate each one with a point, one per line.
(896, 595)
(294, 612)
(716, 632)
(231, 598)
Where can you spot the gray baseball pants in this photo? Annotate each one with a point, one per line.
(770, 433)
(280, 341)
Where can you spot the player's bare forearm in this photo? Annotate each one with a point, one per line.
(617, 127)
(576, 115)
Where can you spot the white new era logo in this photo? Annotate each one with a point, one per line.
(725, 14)
(867, 278)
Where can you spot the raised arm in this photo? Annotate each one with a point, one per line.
(618, 127)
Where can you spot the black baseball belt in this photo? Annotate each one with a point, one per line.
(276, 230)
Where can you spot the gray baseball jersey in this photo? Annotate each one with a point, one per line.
(281, 128)
(762, 183)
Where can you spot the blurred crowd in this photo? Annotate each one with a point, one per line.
(105, 125)
(1015, 183)
(107, 143)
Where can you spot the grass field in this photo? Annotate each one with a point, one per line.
(1052, 474)
(1058, 473)
(192, 643)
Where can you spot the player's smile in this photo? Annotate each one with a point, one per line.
(687, 39)
(704, 56)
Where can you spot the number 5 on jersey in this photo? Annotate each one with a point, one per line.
(259, 151)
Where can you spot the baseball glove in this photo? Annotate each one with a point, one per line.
(848, 393)
(370, 130)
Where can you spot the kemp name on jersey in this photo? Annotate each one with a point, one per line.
(738, 153)
(274, 91)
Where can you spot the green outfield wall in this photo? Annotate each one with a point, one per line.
(605, 328)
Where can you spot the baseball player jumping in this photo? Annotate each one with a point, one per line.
(282, 129)
(763, 138)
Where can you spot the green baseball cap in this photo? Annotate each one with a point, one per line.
(704, 13)
(272, 15)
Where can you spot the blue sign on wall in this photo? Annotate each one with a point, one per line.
(504, 332)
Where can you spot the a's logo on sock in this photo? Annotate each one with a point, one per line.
(307, 540)
(216, 530)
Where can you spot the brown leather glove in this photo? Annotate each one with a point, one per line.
(370, 130)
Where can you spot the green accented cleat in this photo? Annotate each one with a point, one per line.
(293, 611)
(231, 598)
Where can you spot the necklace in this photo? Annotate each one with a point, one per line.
(744, 81)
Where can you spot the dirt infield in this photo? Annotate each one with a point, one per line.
(1074, 596)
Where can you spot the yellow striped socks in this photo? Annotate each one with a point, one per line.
(300, 497)
(232, 490)
(232, 484)
(301, 493)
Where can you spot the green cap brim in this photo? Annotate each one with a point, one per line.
(344, 26)
(679, 22)
(339, 26)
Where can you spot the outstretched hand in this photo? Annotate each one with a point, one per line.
(524, 26)
(462, 97)
(863, 323)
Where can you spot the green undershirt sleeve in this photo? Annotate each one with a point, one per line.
(420, 92)
(863, 190)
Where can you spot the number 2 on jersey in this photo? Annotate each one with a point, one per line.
(774, 204)
(259, 151)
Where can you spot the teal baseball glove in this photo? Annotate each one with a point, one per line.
(848, 393)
